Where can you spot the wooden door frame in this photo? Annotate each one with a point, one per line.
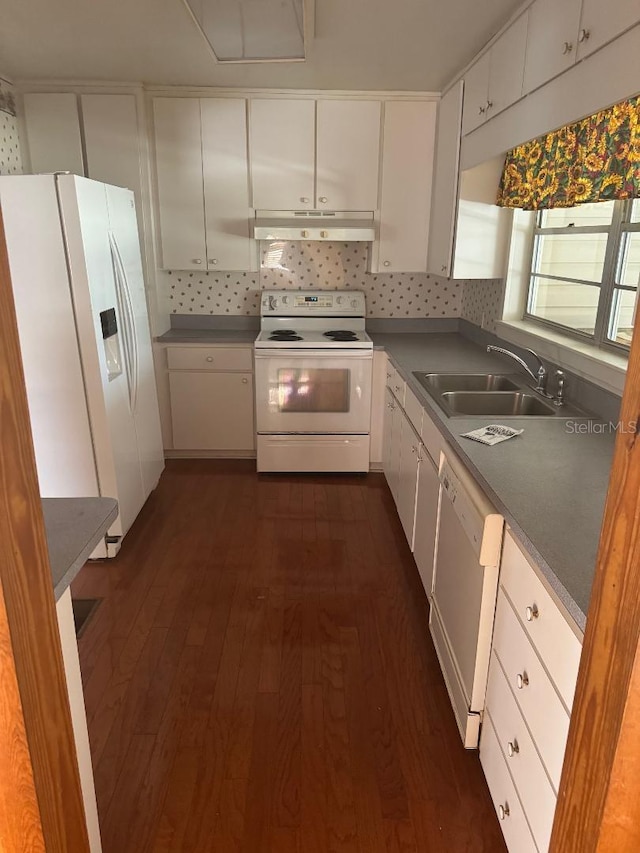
(41, 806)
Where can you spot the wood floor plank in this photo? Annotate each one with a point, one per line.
(260, 677)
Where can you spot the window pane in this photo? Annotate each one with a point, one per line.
(635, 210)
(571, 255)
(629, 272)
(598, 213)
(572, 305)
(622, 318)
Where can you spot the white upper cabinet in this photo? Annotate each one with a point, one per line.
(52, 124)
(507, 67)
(203, 183)
(282, 146)
(348, 152)
(226, 183)
(601, 22)
(444, 203)
(494, 82)
(551, 41)
(179, 169)
(407, 171)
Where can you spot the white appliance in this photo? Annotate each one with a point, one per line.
(314, 225)
(465, 587)
(76, 271)
(313, 382)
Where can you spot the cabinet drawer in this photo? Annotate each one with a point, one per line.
(396, 383)
(535, 694)
(545, 625)
(503, 793)
(532, 783)
(432, 438)
(210, 358)
(413, 408)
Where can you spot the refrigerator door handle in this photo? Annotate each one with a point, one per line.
(128, 321)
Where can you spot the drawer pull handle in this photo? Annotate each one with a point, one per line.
(503, 811)
(584, 35)
(323, 199)
(213, 261)
(386, 263)
(513, 748)
(304, 199)
(245, 381)
(209, 358)
(196, 260)
(532, 612)
(522, 680)
(324, 233)
(568, 47)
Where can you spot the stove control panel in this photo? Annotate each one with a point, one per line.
(297, 303)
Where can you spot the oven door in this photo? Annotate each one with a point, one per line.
(313, 391)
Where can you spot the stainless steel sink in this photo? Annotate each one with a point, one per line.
(439, 383)
(514, 403)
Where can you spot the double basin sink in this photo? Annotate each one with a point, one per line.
(462, 394)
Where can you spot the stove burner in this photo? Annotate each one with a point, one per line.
(342, 335)
(284, 335)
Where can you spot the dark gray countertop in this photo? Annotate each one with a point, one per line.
(208, 336)
(550, 483)
(74, 527)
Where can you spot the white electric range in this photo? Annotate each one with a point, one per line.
(314, 364)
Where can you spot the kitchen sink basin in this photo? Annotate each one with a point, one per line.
(514, 403)
(439, 383)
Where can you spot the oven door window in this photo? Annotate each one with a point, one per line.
(312, 389)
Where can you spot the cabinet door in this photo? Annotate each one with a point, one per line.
(212, 411)
(445, 182)
(179, 168)
(282, 152)
(602, 22)
(408, 478)
(506, 67)
(348, 155)
(407, 171)
(52, 124)
(424, 542)
(551, 40)
(476, 94)
(392, 442)
(226, 183)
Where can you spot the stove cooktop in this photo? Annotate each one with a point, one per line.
(312, 339)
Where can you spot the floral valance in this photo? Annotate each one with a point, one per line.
(596, 159)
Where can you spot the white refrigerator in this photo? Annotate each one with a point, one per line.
(76, 271)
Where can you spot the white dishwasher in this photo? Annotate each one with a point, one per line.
(464, 592)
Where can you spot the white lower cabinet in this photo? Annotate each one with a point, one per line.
(410, 454)
(212, 399)
(534, 665)
(391, 442)
(424, 540)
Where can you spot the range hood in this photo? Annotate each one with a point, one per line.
(314, 225)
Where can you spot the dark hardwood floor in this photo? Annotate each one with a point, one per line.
(260, 677)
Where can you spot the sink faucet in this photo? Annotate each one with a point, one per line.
(540, 378)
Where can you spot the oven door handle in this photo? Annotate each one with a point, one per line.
(289, 352)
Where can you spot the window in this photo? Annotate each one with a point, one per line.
(585, 270)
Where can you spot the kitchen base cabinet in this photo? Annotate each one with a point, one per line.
(391, 442)
(426, 522)
(212, 400)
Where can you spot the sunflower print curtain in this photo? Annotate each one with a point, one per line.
(596, 159)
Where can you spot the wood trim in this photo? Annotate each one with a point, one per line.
(598, 804)
(25, 579)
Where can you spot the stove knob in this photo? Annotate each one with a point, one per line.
(339, 300)
(354, 303)
(285, 300)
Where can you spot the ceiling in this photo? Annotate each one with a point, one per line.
(358, 44)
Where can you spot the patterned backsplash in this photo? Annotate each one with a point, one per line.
(314, 265)
(482, 302)
(10, 156)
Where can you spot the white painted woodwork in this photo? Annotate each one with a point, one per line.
(110, 124)
(71, 661)
(413, 410)
(432, 438)
(407, 174)
(551, 40)
(347, 154)
(482, 229)
(391, 442)
(476, 94)
(212, 410)
(408, 477)
(378, 387)
(180, 188)
(282, 153)
(503, 793)
(226, 183)
(209, 358)
(52, 125)
(549, 631)
(601, 22)
(518, 747)
(506, 67)
(538, 700)
(424, 541)
(396, 383)
(444, 200)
